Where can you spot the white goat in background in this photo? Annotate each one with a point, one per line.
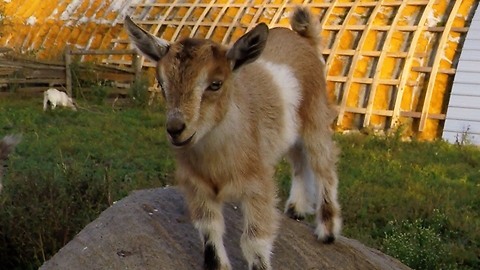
(56, 97)
(232, 113)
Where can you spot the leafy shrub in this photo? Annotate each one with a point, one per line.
(139, 92)
(416, 245)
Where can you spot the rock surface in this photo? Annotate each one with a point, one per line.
(150, 229)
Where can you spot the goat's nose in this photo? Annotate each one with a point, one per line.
(175, 126)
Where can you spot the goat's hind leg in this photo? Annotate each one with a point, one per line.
(45, 102)
(303, 191)
(322, 156)
(207, 218)
(261, 223)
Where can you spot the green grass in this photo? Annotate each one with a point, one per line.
(417, 201)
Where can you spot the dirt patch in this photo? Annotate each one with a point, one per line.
(150, 229)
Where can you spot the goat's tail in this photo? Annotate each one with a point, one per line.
(304, 23)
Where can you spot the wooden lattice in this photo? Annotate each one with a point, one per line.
(387, 61)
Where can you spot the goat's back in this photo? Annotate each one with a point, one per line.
(300, 56)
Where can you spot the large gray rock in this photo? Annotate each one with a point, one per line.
(150, 229)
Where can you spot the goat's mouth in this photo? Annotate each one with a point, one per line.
(183, 143)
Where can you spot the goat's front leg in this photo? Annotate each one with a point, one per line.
(45, 103)
(261, 223)
(207, 218)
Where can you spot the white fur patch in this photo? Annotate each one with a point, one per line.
(304, 191)
(257, 247)
(289, 86)
(215, 229)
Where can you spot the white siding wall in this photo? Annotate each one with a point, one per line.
(463, 114)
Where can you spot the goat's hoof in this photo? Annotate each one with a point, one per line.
(293, 214)
(329, 239)
(324, 235)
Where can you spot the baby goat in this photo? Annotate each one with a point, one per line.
(232, 113)
(55, 97)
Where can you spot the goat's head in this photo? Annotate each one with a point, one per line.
(72, 104)
(196, 77)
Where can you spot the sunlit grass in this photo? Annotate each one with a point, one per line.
(70, 166)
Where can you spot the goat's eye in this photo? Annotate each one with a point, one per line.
(215, 86)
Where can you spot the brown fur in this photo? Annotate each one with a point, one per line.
(228, 141)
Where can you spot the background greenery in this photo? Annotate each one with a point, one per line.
(417, 201)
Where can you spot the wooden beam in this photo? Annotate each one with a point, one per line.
(355, 59)
(216, 22)
(68, 71)
(101, 52)
(436, 64)
(379, 67)
(191, 8)
(236, 19)
(407, 67)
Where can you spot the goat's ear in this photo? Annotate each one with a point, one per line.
(148, 45)
(249, 47)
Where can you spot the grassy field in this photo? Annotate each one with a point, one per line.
(417, 201)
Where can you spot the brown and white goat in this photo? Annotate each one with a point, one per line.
(232, 113)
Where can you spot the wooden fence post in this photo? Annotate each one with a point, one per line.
(137, 66)
(68, 75)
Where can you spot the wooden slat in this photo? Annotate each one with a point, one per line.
(449, 71)
(157, 27)
(207, 9)
(32, 81)
(328, 13)
(216, 22)
(240, 11)
(291, 5)
(257, 15)
(379, 67)
(330, 58)
(403, 28)
(389, 113)
(374, 53)
(368, 80)
(191, 8)
(405, 74)
(276, 16)
(102, 52)
(351, 73)
(5, 49)
(125, 62)
(165, 16)
(436, 64)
